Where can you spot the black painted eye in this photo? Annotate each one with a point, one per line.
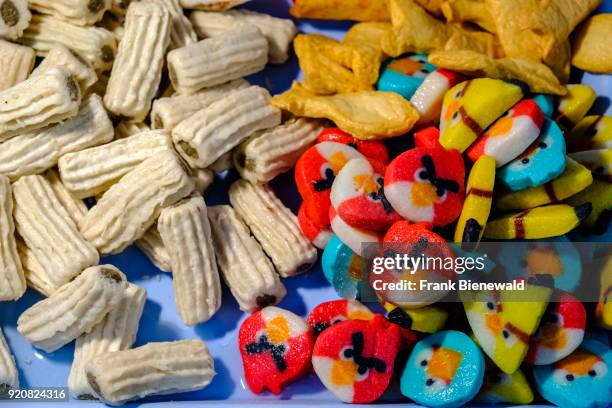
(491, 306)
(455, 115)
(542, 145)
(362, 370)
(348, 353)
(593, 373)
(423, 363)
(523, 263)
(525, 160)
(553, 318)
(429, 382)
(569, 377)
(599, 169)
(505, 333)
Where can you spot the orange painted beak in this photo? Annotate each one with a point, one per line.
(493, 323)
(423, 194)
(444, 364)
(343, 373)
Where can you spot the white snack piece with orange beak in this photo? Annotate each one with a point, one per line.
(274, 226)
(511, 134)
(74, 309)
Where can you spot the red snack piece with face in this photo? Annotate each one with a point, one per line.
(371, 149)
(428, 137)
(317, 234)
(329, 313)
(426, 184)
(354, 359)
(315, 172)
(275, 346)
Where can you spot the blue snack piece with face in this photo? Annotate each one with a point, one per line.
(581, 380)
(342, 268)
(556, 257)
(546, 104)
(445, 369)
(542, 162)
(403, 75)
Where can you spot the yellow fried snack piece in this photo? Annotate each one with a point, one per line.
(468, 11)
(366, 38)
(427, 319)
(539, 29)
(574, 179)
(592, 132)
(541, 222)
(477, 204)
(603, 311)
(599, 194)
(573, 106)
(365, 115)
(360, 10)
(592, 45)
(470, 63)
(414, 30)
(471, 106)
(328, 65)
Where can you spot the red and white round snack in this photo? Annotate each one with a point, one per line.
(315, 172)
(372, 149)
(351, 236)
(318, 235)
(560, 333)
(511, 134)
(358, 196)
(429, 95)
(329, 313)
(426, 184)
(276, 346)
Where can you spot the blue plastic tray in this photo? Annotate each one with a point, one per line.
(160, 321)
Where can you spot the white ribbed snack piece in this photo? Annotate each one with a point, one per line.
(182, 31)
(74, 206)
(36, 277)
(278, 31)
(92, 171)
(14, 18)
(138, 66)
(9, 378)
(217, 60)
(269, 153)
(49, 232)
(37, 151)
(117, 331)
(124, 213)
(17, 62)
(185, 231)
(95, 44)
(246, 269)
(153, 247)
(81, 12)
(80, 69)
(168, 112)
(209, 133)
(202, 178)
(38, 102)
(125, 129)
(153, 369)
(274, 226)
(12, 280)
(74, 309)
(212, 5)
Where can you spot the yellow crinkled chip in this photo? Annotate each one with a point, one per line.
(365, 114)
(360, 10)
(539, 29)
(468, 11)
(593, 45)
(414, 30)
(538, 76)
(366, 40)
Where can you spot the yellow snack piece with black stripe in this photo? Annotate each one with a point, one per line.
(592, 132)
(428, 319)
(477, 204)
(573, 106)
(599, 194)
(574, 179)
(541, 222)
(603, 311)
(471, 106)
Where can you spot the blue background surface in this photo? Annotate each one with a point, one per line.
(160, 321)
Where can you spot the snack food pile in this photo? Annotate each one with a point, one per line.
(430, 123)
